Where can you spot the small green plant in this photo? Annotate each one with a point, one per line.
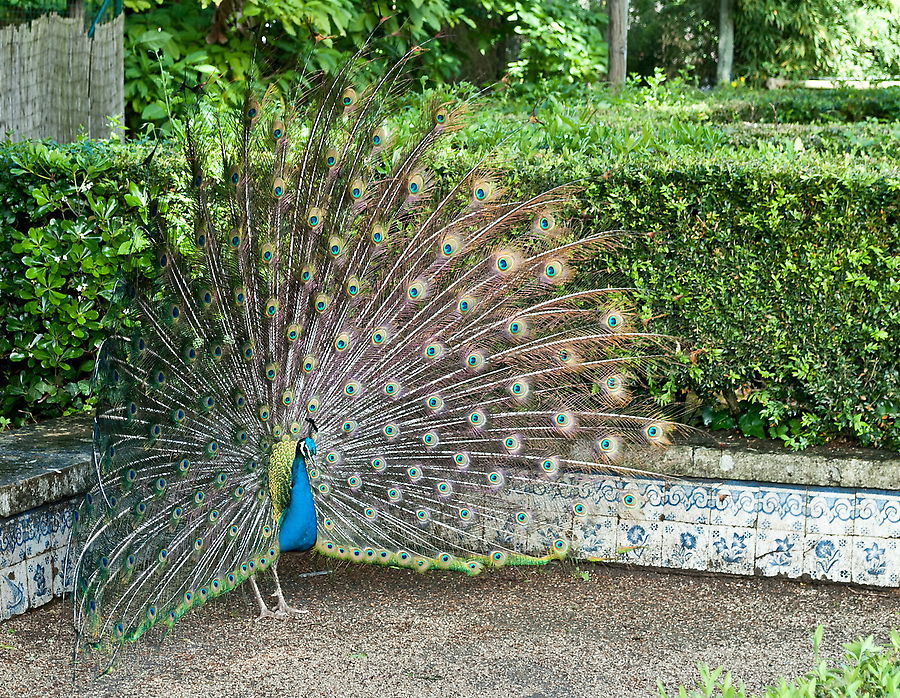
(583, 575)
(868, 670)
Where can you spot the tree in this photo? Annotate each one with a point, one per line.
(726, 42)
(618, 41)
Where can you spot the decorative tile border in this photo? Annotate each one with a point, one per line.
(739, 527)
(735, 527)
(33, 549)
(729, 526)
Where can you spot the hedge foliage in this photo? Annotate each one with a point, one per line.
(810, 106)
(67, 223)
(778, 266)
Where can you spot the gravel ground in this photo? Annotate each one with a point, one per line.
(369, 631)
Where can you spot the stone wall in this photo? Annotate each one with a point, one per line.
(33, 557)
(43, 470)
(730, 508)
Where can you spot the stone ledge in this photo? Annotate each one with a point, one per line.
(44, 463)
(742, 459)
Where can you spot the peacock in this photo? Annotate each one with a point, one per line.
(337, 351)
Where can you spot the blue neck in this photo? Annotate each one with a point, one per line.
(298, 523)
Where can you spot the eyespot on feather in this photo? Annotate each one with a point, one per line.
(554, 271)
(335, 246)
(614, 321)
(450, 246)
(416, 290)
(505, 261)
(545, 223)
(415, 184)
(314, 217)
(356, 188)
(378, 234)
(482, 191)
(379, 138)
(517, 328)
(251, 110)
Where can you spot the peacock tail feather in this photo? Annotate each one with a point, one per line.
(441, 338)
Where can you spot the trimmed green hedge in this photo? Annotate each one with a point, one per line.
(67, 222)
(787, 287)
(808, 106)
(779, 269)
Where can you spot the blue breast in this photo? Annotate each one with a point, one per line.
(298, 524)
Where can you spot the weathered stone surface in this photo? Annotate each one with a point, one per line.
(740, 459)
(44, 463)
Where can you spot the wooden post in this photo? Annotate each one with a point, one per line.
(618, 41)
(725, 66)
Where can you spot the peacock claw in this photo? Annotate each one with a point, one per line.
(286, 611)
(266, 613)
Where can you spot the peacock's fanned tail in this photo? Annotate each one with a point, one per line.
(439, 336)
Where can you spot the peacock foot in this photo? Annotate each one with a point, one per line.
(268, 613)
(286, 611)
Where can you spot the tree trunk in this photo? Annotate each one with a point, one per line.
(618, 41)
(726, 42)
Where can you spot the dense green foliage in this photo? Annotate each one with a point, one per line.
(777, 263)
(192, 41)
(811, 106)
(867, 670)
(67, 225)
(775, 251)
(773, 38)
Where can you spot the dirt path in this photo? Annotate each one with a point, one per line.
(377, 632)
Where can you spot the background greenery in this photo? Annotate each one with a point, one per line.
(774, 250)
(773, 38)
(533, 45)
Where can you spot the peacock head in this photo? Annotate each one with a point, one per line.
(309, 441)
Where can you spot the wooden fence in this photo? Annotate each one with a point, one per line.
(56, 82)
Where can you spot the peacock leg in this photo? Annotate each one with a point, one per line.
(264, 611)
(284, 610)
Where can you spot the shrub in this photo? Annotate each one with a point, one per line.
(779, 266)
(781, 269)
(68, 220)
(808, 106)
